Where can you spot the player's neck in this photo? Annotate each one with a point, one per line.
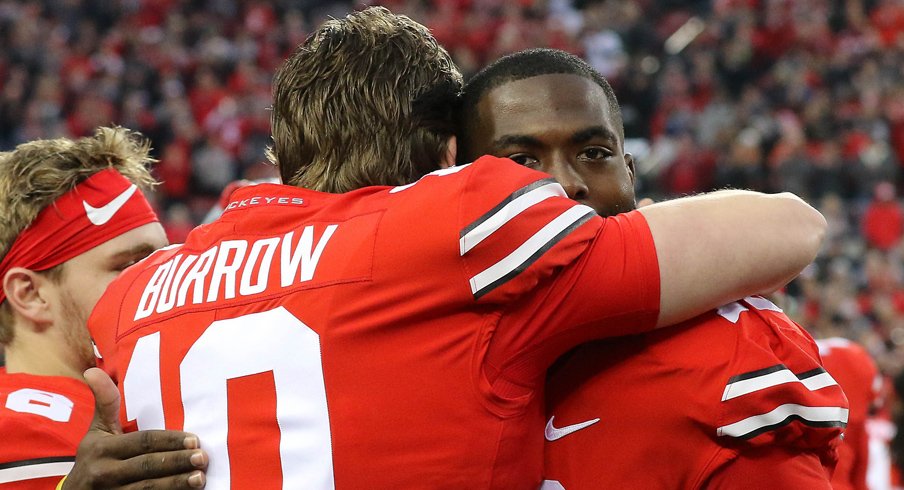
(35, 354)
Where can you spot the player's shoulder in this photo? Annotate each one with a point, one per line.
(750, 308)
(500, 177)
(27, 438)
(844, 354)
(43, 412)
(513, 226)
(489, 168)
(487, 175)
(62, 385)
(480, 189)
(766, 332)
(777, 390)
(839, 346)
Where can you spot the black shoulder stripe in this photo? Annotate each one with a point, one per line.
(757, 373)
(536, 255)
(37, 461)
(510, 198)
(788, 420)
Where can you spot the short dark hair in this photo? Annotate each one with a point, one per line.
(528, 64)
(365, 100)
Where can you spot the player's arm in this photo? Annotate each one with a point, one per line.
(150, 459)
(718, 247)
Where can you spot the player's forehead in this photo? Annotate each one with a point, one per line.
(544, 102)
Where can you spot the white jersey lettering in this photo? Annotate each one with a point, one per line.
(233, 268)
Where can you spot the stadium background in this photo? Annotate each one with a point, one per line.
(798, 95)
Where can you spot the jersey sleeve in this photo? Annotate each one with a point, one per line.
(33, 456)
(561, 274)
(517, 228)
(777, 392)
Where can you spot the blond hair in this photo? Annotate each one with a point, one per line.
(365, 100)
(37, 173)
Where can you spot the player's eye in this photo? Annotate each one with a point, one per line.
(121, 266)
(125, 261)
(524, 159)
(595, 153)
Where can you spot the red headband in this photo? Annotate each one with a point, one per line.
(102, 207)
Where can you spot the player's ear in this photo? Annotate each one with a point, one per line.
(629, 161)
(451, 152)
(26, 291)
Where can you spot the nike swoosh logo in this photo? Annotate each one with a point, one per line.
(552, 433)
(100, 216)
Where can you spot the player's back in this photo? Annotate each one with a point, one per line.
(42, 421)
(675, 407)
(308, 336)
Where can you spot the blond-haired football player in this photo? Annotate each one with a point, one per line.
(73, 217)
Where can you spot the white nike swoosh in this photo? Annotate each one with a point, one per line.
(99, 216)
(553, 433)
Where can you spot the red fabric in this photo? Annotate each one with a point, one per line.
(889, 20)
(205, 96)
(91, 111)
(672, 396)
(174, 169)
(689, 174)
(32, 409)
(858, 375)
(896, 138)
(883, 224)
(425, 385)
(771, 467)
(64, 229)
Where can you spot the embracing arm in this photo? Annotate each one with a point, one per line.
(718, 247)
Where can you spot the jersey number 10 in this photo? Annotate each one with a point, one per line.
(235, 348)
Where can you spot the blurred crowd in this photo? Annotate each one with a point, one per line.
(799, 95)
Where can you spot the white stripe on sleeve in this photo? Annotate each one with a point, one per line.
(547, 235)
(744, 387)
(828, 416)
(505, 214)
(34, 471)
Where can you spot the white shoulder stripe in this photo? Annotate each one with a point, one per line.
(818, 416)
(826, 345)
(528, 251)
(746, 386)
(731, 311)
(761, 303)
(505, 214)
(30, 472)
(436, 173)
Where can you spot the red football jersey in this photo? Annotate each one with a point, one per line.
(42, 421)
(672, 408)
(389, 337)
(852, 366)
